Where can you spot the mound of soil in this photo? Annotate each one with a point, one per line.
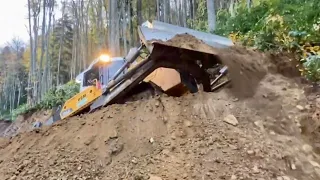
(197, 136)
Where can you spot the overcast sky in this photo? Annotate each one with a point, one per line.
(13, 19)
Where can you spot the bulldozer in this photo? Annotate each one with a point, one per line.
(162, 61)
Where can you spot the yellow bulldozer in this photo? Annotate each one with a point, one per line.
(172, 59)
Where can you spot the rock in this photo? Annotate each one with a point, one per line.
(152, 177)
(230, 119)
(157, 104)
(233, 177)
(165, 120)
(255, 169)
(188, 123)
(13, 177)
(31, 171)
(165, 152)
(293, 167)
(250, 152)
(114, 135)
(79, 168)
(116, 148)
(233, 147)
(301, 108)
(307, 148)
(235, 99)
(259, 124)
(285, 178)
(184, 175)
(134, 161)
(88, 142)
(308, 107)
(151, 140)
(315, 164)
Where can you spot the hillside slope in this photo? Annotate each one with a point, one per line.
(197, 136)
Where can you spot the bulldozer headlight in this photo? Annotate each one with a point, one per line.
(104, 58)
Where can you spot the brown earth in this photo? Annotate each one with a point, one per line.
(175, 138)
(272, 135)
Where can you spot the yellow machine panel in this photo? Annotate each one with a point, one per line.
(80, 101)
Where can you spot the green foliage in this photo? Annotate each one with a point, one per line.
(281, 25)
(52, 98)
(312, 65)
(63, 30)
(59, 95)
(244, 21)
(201, 20)
(22, 109)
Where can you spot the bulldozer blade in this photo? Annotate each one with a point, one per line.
(155, 31)
(55, 117)
(245, 71)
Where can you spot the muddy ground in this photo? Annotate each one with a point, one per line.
(272, 135)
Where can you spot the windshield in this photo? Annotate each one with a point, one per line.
(109, 71)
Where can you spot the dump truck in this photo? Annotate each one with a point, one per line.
(160, 61)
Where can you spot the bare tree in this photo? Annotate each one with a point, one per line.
(211, 15)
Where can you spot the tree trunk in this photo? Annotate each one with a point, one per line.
(61, 44)
(43, 46)
(29, 89)
(211, 15)
(166, 11)
(249, 4)
(139, 9)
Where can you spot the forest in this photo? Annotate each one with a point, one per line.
(40, 73)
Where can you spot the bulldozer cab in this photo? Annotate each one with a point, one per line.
(100, 72)
(91, 76)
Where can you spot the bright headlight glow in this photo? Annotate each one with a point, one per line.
(104, 58)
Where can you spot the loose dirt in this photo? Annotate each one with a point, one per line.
(267, 136)
(197, 136)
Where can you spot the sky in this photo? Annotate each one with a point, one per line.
(13, 20)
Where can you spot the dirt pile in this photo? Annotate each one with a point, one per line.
(199, 136)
